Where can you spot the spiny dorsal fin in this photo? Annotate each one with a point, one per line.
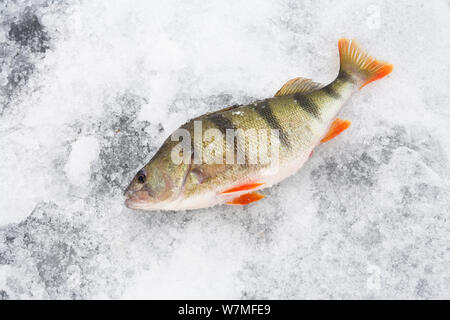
(298, 85)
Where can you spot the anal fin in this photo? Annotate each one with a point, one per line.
(246, 198)
(336, 128)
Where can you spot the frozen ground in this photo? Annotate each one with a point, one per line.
(89, 90)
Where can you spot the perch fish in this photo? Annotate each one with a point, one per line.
(301, 115)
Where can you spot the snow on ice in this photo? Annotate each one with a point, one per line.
(89, 90)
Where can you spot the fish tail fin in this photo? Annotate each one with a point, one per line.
(356, 62)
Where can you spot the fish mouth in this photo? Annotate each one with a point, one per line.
(138, 199)
(141, 200)
(130, 203)
(133, 203)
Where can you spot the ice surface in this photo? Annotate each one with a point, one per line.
(90, 89)
(78, 167)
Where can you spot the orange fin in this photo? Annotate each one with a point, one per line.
(336, 128)
(247, 198)
(243, 187)
(357, 62)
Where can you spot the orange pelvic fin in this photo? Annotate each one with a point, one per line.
(336, 128)
(244, 187)
(246, 198)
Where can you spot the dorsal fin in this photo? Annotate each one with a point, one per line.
(298, 85)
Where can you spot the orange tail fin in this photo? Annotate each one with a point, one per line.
(355, 61)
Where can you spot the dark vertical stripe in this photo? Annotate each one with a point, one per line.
(222, 123)
(307, 104)
(345, 77)
(330, 90)
(265, 111)
(190, 127)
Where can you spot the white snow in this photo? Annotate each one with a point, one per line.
(78, 167)
(366, 217)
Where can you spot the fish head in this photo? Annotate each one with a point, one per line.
(158, 185)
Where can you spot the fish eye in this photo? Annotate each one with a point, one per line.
(141, 177)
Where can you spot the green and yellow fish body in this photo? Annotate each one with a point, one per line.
(229, 154)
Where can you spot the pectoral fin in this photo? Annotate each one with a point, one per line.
(243, 187)
(336, 128)
(246, 198)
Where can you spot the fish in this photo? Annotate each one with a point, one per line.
(215, 169)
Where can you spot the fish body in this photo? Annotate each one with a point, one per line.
(302, 113)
